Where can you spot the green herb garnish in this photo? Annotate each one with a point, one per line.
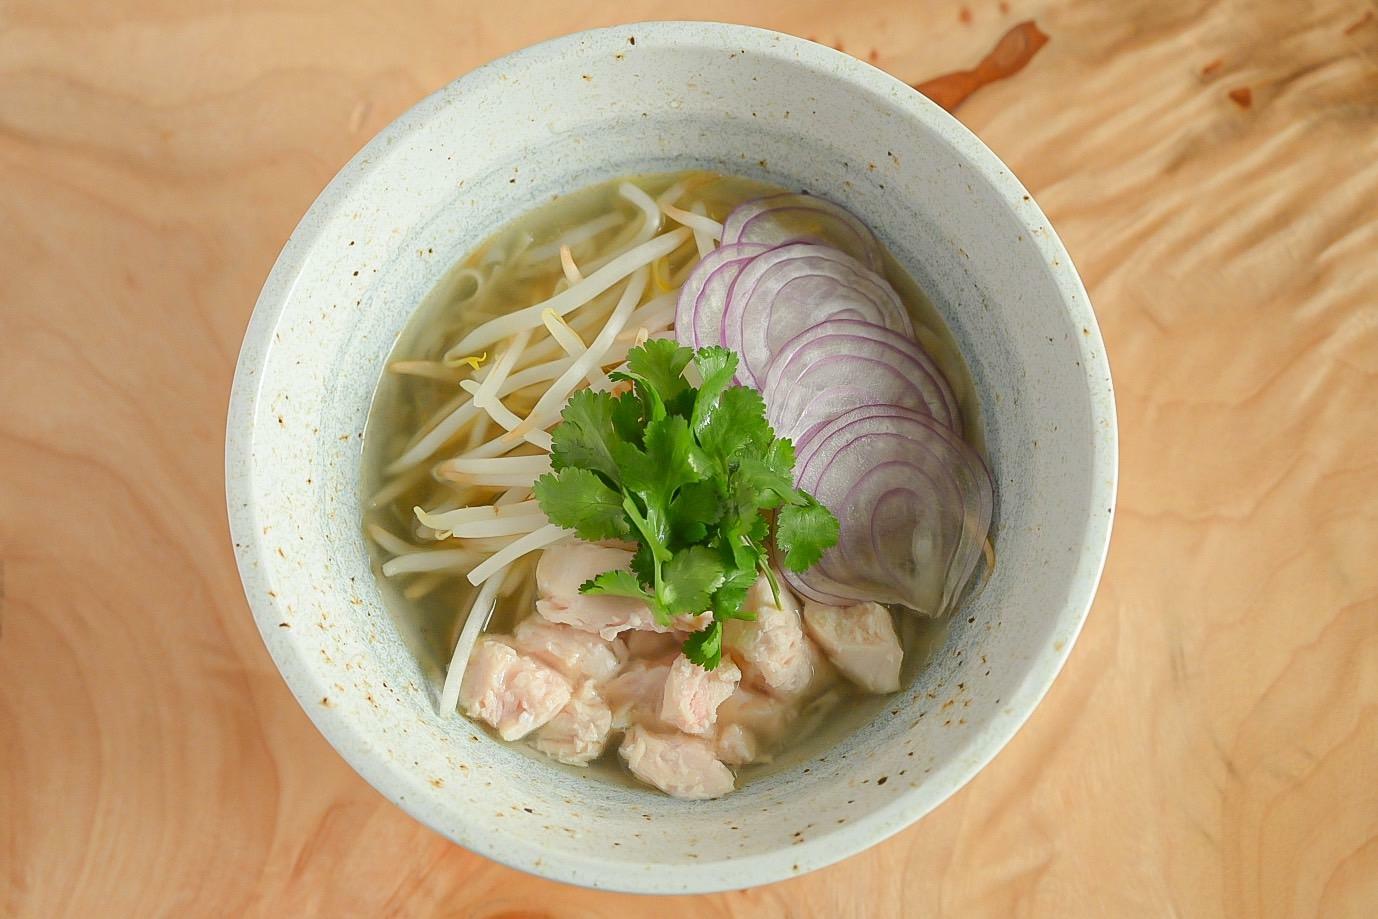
(690, 475)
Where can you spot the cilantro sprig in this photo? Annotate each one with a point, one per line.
(694, 476)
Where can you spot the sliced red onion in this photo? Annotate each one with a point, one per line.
(702, 298)
(914, 502)
(842, 364)
(785, 290)
(785, 218)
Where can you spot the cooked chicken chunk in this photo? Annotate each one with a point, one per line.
(737, 746)
(634, 694)
(579, 732)
(860, 640)
(750, 725)
(771, 648)
(822, 676)
(513, 693)
(567, 565)
(692, 695)
(642, 645)
(577, 654)
(563, 568)
(677, 764)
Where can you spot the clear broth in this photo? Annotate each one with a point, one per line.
(430, 611)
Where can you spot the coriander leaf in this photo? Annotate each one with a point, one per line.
(669, 442)
(660, 363)
(769, 474)
(716, 365)
(704, 647)
(585, 436)
(737, 541)
(804, 531)
(578, 500)
(671, 459)
(643, 564)
(628, 419)
(743, 529)
(737, 418)
(730, 596)
(690, 578)
(652, 406)
(616, 583)
(692, 511)
(682, 405)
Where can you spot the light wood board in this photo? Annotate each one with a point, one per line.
(1211, 748)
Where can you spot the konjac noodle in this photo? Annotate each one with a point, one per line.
(676, 480)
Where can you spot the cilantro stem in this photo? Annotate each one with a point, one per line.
(659, 555)
(763, 566)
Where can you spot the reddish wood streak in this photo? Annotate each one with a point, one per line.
(1212, 67)
(1359, 23)
(1009, 56)
(1242, 97)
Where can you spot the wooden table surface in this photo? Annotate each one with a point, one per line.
(1211, 748)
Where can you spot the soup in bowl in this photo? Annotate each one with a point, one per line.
(739, 475)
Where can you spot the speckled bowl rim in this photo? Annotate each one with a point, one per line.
(391, 778)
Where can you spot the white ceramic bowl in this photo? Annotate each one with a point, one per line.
(556, 117)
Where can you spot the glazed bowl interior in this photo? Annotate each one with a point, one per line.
(552, 119)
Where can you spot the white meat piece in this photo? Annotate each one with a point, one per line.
(677, 764)
(579, 732)
(860, 640)
(634, 694)
(513, 693)
(737, 746)
(644, 645)
(822, 676)
(750, 725)
(692, 695)
(686, 623)
(771, 649)
(567, 565)
(577, 654)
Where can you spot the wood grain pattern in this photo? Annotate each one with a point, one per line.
(1211, 748)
